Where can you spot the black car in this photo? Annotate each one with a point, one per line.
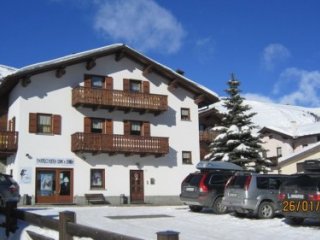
(299, 198)
(9, 190)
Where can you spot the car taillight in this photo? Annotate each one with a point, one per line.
(228, 182)
(13, 188)
(247, 182)
(314, 197)
(281, 196)
(202, 186)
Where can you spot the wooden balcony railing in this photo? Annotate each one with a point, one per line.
(207, 135)
(116, 99)
(113, 144)
(8, 142)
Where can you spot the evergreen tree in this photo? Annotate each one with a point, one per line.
(235, 142)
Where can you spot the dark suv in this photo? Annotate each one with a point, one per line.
(9, 190)
(299, 198)
(205, 189)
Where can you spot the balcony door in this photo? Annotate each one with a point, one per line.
(136, 186)
(54, 185)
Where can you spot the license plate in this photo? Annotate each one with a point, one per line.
(296, 196)
(190, 189)
(232, 195)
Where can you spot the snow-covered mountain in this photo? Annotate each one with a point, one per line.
(278, 115)
(6, 70)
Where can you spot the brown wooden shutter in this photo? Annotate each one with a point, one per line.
(126, 127)
(146, 129)
(32, 123)
(108, 81)
(13, 126)
(87, 81)
(87, 125)
(126, 85)
(146, 87)
(108, 126)
(56, 122)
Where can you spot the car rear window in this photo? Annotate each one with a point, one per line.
(6, 179)
(194, 179)
(238, 181)
(214, 179)
(303, 182)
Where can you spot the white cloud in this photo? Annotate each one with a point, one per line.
(274, 54)
(308, 86)
(143, 24)
(257, 97)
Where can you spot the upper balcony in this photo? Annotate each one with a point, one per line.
(207, 135)
(8, 142)
(113, 144)
(119, 100)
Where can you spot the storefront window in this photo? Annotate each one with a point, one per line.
(97, 178)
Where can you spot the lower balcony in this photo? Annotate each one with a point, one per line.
(8, 143)
(115, 144)
(207, 136)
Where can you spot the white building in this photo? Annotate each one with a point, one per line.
(108, 120)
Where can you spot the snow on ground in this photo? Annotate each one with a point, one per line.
(195, 226)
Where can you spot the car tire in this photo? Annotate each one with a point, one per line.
(295, 220)
(266, 210)
(218, 207)
(195, 208)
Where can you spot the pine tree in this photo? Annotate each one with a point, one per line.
(235, 142)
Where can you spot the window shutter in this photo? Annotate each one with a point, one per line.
(56, 121)
(126, 127)
(87, 81)
(13, 127)
(108, 81)
(146, 129)
(126, 85)
(108, 127)
(87, 125)
(146, 87)
(32, 123)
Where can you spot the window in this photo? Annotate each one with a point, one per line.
(97, 125)
(318, 138)
(135, 128)
(97, 81)
(135, 86)
(185, 114)
(186, 157)
(97, 178)
(264, 153)
(279, 152)
(44, 123)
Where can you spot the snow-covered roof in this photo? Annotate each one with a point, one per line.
(118, 48)
(6, 70)
(287, 119)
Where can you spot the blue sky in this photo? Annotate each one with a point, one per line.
(272, 46)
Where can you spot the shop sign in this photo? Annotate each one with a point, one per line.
(55, 161)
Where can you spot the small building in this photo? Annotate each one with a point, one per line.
(108, 120)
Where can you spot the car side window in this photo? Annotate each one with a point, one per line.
(274, 183)
(262, 182)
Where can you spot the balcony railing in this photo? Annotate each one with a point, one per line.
(116, 99)
(113, 144)
(8, 142)
(207, 136)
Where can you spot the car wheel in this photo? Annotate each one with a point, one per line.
(295, 220)
(266, 210)
(195, 208)
(218, 207)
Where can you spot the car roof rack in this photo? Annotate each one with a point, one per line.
(218, 165)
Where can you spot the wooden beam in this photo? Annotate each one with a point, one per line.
(199, 99)
(147, 70)
(25, 81)
(91, 63)
(173, 84)
(119, 55)
(60, 72)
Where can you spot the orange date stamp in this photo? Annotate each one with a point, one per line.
(300, 206)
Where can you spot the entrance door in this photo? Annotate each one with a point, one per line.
(54, 185)
(136, 186)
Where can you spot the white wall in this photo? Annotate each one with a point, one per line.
(48, 94)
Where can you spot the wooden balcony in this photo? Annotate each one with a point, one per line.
(207, 136)
(8, 142)
(119, 100)
(114, 144)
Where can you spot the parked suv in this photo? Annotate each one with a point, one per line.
(299, 198)
(254, 194)
(9, 190)
(205, 189)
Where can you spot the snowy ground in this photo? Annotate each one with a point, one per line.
(204, 225)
